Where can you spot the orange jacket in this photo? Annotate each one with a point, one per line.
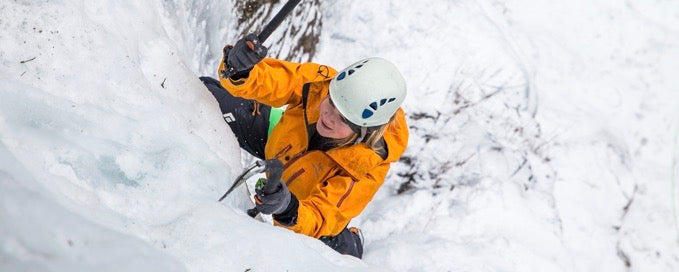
(334, 186)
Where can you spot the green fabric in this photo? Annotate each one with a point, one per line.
(274, 117)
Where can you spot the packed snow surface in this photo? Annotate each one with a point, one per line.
(544, 137)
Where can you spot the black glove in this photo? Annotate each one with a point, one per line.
(273, 203)
(273, 197)
(245, 54)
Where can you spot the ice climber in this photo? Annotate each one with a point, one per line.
(337, 136)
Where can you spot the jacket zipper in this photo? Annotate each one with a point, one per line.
(285, 149)
(294, 176)
(347, 193)
(297, 157)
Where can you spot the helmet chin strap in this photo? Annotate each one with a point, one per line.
(364, 131)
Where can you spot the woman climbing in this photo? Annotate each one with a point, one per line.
(337, 137)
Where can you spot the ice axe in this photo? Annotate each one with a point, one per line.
(268, 29)
(273, 166)
(256, 168)
(268, 186)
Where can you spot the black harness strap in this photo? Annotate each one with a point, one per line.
(305, 94)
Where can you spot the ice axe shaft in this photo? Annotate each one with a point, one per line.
(275, 169)
(257, 167)
(277, 20)
(268, 29)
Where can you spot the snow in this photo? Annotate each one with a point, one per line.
(544, 137)
(125, 152)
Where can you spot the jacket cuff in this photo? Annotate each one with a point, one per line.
(241, 75)
(289, 216)
(235, 81)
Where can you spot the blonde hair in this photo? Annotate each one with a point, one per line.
(371, 140)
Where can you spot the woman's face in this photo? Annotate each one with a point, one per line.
(331, 124)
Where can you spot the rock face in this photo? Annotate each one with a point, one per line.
(295, 39)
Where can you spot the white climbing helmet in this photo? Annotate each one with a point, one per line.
(368, 92)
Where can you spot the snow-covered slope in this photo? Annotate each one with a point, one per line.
(543, 138)
(113, 154)
(544, 134)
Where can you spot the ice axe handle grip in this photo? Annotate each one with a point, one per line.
(275, 169)
(253, 212)
(230, 71)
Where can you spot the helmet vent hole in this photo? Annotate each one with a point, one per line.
(366, 113)
(341, 76)
(365, 61)
(373, 105)
(359, 66)
(391, 100)
(351, 71)
(383, 101)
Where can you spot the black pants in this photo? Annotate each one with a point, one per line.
(251, 127)
(347, 242)
(249, 124)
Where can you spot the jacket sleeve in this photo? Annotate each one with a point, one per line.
(275, 82)
(332, 204)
